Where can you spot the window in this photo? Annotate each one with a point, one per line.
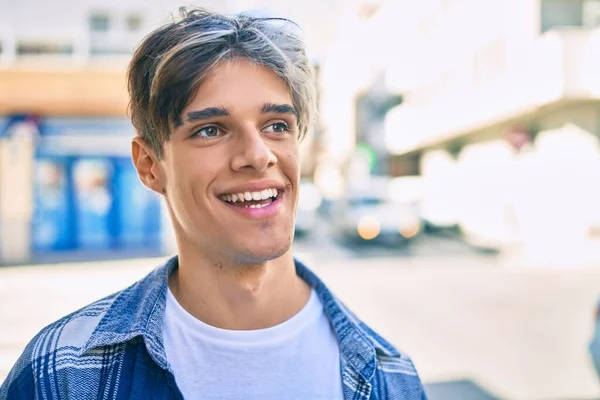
(561, 13)
(591, 13)
(99, 23)
(365, 201)
(113, 32)
(110, 51)
(570, 13)
(39, 48)
(134, 22)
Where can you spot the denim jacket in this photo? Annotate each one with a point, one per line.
(113, 349)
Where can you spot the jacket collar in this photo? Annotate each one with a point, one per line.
(139, 311)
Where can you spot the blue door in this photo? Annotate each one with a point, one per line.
(93, 196)
(52, 224)
(138, 209)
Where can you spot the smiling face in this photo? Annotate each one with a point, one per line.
(230, 170)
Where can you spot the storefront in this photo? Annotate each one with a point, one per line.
(86, 196)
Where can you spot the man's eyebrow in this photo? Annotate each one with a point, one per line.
(212, 112)
(279, 109)
(205, 113)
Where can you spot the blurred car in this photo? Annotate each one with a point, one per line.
(594, 345)
(374, 218)
(309, 201)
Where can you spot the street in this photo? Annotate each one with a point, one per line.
(477, 325)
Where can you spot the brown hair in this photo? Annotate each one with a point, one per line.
(172, 61)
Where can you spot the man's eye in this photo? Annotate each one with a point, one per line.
(277, 127)
(208, 132)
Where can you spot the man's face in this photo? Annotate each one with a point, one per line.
(231, 168)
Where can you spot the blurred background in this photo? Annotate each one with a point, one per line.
(451, 196)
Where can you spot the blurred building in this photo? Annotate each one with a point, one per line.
(352, 91)
(500, 111)
(66, 181)
(63, 106)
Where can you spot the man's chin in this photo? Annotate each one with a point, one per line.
(263, 253)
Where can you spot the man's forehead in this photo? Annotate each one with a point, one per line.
(230, 73)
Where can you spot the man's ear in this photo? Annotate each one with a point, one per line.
(147, 165)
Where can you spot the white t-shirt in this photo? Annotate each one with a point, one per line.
(297, 359)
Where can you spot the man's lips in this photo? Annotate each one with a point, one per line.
(242, 198)
(253, 188)
(260, 209)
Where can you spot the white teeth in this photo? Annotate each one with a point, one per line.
(250, 196)
(257, 205)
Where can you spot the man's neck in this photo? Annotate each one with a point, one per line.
(239, 297)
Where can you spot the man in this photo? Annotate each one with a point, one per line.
(220, 104)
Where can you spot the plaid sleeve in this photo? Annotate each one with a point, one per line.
(20, 382)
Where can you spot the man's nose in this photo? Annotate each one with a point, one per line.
(253, 152)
